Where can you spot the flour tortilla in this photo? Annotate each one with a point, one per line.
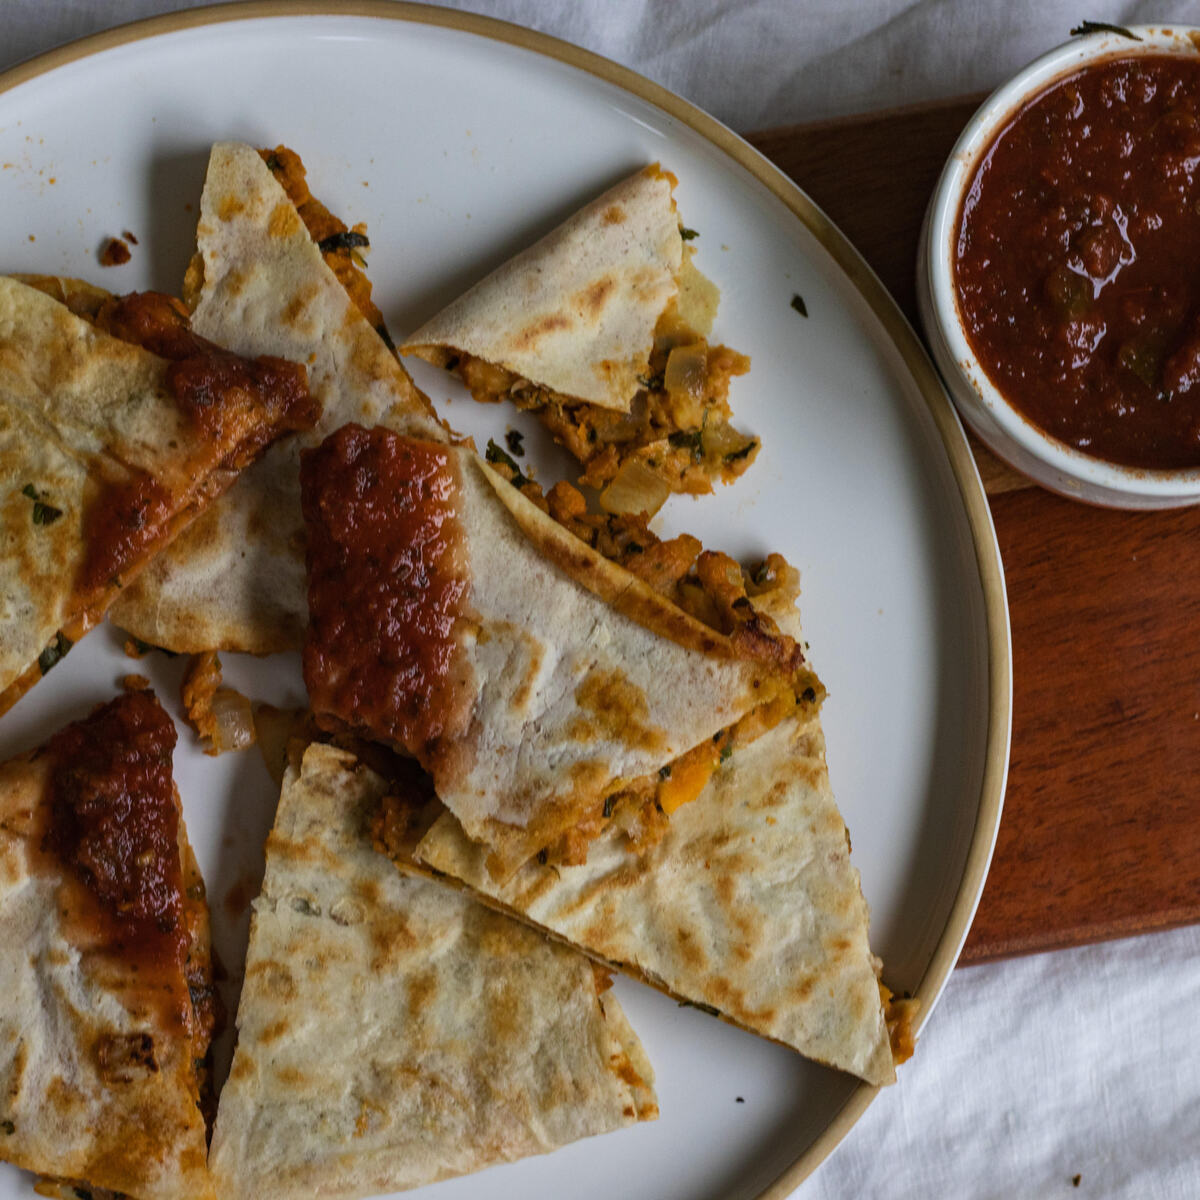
(64, 1000)
(81, 411)
(392, 1032)
(576, 311)
(235, 581)
(570, 674)
(749, 905)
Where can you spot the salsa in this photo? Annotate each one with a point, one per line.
(1076, 261)
(114, 825)
(387, 583)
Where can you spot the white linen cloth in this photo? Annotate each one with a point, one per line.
(1033, 1071)
(751, 63)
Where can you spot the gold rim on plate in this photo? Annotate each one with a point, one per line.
(883, 307)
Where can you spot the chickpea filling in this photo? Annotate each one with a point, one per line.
(677, 436)
(339, 244)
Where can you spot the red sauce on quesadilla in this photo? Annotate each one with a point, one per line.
(386, 584)
(114, 824)
(224, 394)
(120, 528)
(239, 405)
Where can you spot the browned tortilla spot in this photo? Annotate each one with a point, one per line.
(618, 710)
(230, 207)
(529, 337)
(284, 222)
(593, 298)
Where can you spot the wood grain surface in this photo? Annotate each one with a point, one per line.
(1100, 836)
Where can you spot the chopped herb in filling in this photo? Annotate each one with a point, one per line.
(43, 513)
(55, 651)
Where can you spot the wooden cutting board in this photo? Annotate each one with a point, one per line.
(1100, 836)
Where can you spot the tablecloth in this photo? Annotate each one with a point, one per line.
(1069, 1074)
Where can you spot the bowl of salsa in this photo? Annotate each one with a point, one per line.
(1059, 269)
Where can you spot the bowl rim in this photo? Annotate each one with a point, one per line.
(942, 219)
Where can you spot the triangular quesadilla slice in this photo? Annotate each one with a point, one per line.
(115, 432)
(274, 275)
(601, 329)
(392, 1032)
(106, 1001)
(452, 618)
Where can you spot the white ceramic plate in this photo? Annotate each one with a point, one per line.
(459, 140)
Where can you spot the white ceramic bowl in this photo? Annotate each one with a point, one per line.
(1045, 459)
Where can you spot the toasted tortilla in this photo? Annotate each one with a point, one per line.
(236, 580)
(101, 1047)
(748, 906)
(600, 330)
(392, 1032)
(576, 311)
(91, 433)
(531, 676)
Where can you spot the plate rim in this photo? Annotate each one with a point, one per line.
(896, 327)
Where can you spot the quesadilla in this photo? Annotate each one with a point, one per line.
(114, 433)
(107, 1007)
(747, 905)
(601, 329)
(537, 681)
(263, 283)
(392, 1032)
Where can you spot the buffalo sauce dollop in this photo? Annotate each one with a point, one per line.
(1075, 261)
(114, 825)
(386, 584)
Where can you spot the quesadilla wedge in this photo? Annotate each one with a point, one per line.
(601, 329)
(536, 680)
(274, 275)
(107, 1007)
(392, 1032)
(746, 906)
(115, 431)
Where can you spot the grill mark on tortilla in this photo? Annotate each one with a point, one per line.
(272, 978)
(283, 222)
(529, 337)
(593, 298)
(421, 994)
(234, 282)
(298, 306)
(275, 1031)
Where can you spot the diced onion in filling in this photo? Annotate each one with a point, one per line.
(233, 721)
(686, 381)
(635, 489)
(720, 439)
